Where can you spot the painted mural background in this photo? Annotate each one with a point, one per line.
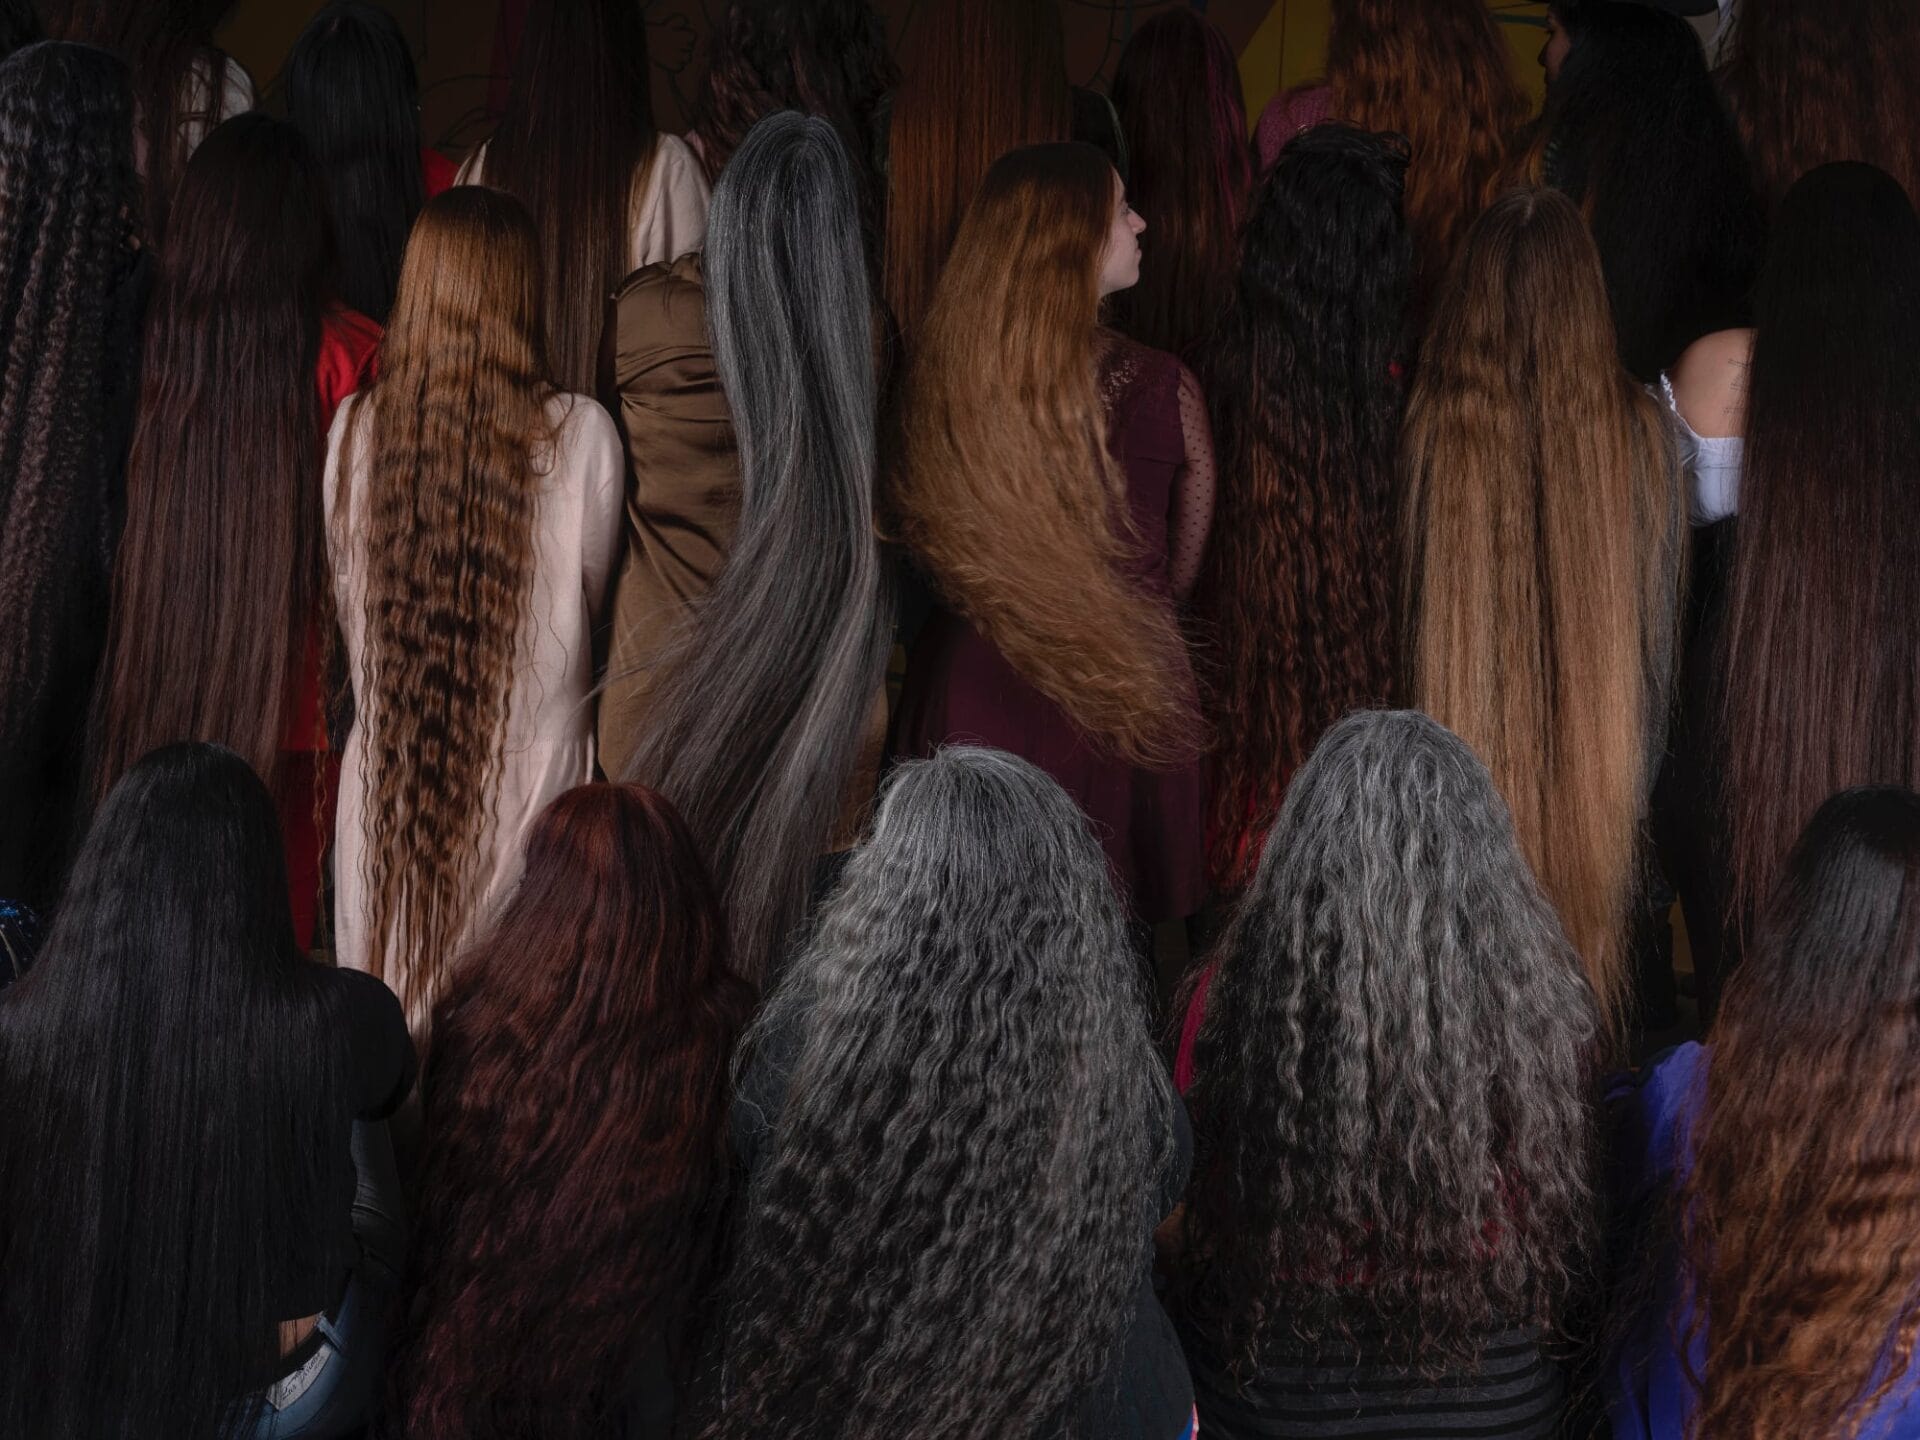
(1280, 42)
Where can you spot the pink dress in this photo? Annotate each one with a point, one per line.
(960, 689)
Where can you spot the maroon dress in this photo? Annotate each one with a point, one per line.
(960, 690)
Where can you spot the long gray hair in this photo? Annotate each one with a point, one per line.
(954, 1207)
(1391, 1080)
(763, 695)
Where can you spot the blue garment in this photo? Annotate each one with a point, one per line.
(1649, 1395)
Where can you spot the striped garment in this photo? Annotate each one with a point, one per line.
(1514, 1393)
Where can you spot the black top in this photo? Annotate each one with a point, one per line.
(379, 1076)
(1145, 1393)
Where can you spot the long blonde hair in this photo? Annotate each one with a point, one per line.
(1005, 489)
(453, 424)
(1543, 538)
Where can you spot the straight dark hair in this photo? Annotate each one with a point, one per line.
(1800, 1221)
(352, 91)
(66, 190)
(1822, 675)
(168, 45)
(220, 568)
(1305, 376)
(1190, 166)
(19, 26)
(171, 1095)
(577, 128)
(575, 1102)
(764, 696)
(1635, 128)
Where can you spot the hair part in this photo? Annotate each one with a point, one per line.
(951, 1219)
(1304, 380)
(1543, 525)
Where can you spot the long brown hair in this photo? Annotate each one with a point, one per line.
(978, 78)
(576, 132)
(1808, 85)
(1437, 72)
(1190, 165)
(1006, 491)
(1305, 379)
(1543, 536)
(1823, 632)
(576, 1099)
(1800, 1220)
(219, 569)
(451, 427)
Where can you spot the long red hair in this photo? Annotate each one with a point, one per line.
(575, 1097)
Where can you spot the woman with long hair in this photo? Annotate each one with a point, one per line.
(1306, 379)
(220, 577)
(558, 1250)
(180, 1251)
(1786, 1299)
(1544, 532)
(1055, 483)
(473, 518)
(608, 193)
(1633, 127)
(821, 57)
(183, 84)
(1435, 71)
(958, 1139)
(353, 93)
(1190, 168)
(1391, 1175)
(765, 702)
(1818, 686)
(1810, 84)
(977, 78)
(71, 286)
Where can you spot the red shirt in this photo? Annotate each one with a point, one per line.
(436, 171)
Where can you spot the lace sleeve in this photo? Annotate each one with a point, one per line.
(1190, 519)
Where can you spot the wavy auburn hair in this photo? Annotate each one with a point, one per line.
(949, 1218)
(1822, 677)
(761, 700)
(575, 1104)
(978, 78)
(1543, 532)
(1391, 1123)
(1005, 488)
(577, 143)
(1634, 127)
(454, 427)
(221, 566)
(1190, 166)
(1437, 72)
(1304, 380)
(1801, 1217)
(1807, 91)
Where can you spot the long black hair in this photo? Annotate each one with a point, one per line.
(67, 191)
(171, 1085)
(1305, 375)
(577, 126)
(353, 92)
(19, 26)
(222, 563)
(1635, 132)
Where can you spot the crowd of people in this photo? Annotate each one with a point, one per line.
(961, 756)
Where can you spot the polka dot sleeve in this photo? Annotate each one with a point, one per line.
(1190, 520)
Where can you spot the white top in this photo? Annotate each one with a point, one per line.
(669, 213)
(1712, 463)
(549, 743)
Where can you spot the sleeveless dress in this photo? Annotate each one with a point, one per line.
(961, 690)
